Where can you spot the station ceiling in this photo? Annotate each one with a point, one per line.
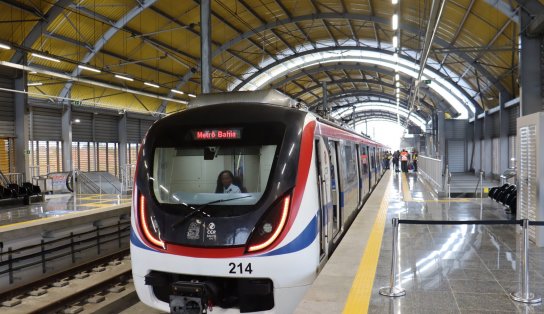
(157, 42)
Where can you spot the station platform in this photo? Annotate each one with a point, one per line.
(444, 268)
(59, 205)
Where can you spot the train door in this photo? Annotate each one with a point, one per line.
(366, 167)
(324, 190)
(335, 188)
(360, 176)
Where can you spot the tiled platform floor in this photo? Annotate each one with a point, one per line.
(452, 269)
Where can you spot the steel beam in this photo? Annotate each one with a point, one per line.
(37, 30)
(120, 24)
(205, 46)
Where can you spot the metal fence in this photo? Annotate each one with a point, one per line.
(432, 171)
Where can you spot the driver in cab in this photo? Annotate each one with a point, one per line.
(225, 183)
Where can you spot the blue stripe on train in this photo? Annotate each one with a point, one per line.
(301, 242)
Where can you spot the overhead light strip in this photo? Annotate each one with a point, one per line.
(124, 78)
(151, 85)
(177, 91)
(89, 68)
(45, 57)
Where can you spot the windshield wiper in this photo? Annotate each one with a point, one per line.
(200, 208)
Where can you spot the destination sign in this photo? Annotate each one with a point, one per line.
(217, 134)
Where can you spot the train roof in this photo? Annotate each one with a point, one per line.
(268, 96)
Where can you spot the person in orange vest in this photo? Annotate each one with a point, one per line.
(404, 156)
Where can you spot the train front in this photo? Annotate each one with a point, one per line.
(221, 220)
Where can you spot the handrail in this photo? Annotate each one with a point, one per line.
(82, 178)
(107, 180)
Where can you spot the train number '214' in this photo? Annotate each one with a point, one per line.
(239, 268)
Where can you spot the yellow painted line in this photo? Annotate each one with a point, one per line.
(361, 289)
(407, 195)
(453, 200)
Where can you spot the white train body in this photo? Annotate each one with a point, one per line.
(257, 250)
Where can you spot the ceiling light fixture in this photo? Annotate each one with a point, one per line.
(394, 1)
(34, 84)
(88, 68)
(151, 85)
(124, 78)
(395, 22)
(395, 41)
(177, 91)
(45, 57)
(3, 46)
(191, 95)
(397, 77)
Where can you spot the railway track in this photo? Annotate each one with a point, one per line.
(103, 285)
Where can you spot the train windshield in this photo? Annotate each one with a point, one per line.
(228, 174)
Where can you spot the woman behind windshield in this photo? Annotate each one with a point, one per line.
(225, 183)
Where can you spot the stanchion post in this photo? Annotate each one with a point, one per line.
(394, 290)
(524, 295)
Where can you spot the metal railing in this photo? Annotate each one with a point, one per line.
(46, 252)
(127, 177)
(524, 295)
(432, 170)
(15, 177)
(35, 170)
(85, 183)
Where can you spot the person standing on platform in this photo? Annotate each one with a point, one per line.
(396, 156)
(414, 159)
(404, 156)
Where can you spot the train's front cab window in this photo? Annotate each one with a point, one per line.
(221, 166)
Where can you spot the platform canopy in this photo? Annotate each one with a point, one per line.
(145, 55)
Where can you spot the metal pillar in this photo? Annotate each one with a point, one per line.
(477, 138)
(325, 97)
(206, 46)
(122, 129)
(487, 152)
(441, 124)
(531, 69)
(21, 127)
(503, 134)
(67, 138)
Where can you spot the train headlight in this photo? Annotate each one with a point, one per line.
(148, 223)
(267, 227)
(271, 226)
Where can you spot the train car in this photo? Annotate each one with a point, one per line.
(239, 201)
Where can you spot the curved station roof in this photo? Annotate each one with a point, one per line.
(145, 55)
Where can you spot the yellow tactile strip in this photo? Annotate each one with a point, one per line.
(361, 289)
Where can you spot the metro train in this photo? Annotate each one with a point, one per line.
(299, 181)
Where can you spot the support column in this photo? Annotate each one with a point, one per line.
(441, 120)
(325, 98)
(477, 138)
(205, 46)
(67, 138)
(122, 129)
(487, 152)
(531, 69)
(503, 134)
(21, 127)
